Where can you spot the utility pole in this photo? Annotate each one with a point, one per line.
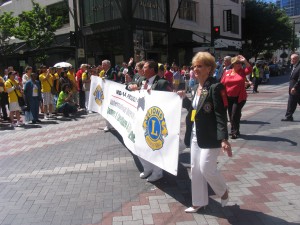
(76, 28)
(212, 38)
(293, 35)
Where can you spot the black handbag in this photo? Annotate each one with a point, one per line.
(21, 101)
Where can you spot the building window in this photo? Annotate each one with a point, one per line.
(235, 24)
(96, 11)
(59, 9)
(153, 10)
(187, 10)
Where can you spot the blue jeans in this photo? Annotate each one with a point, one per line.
(67, 108)
(34, 107)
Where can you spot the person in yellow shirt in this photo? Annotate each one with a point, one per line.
(46, 82)
(13, 89)
(3, 98)
(72, 78)
(101, 71)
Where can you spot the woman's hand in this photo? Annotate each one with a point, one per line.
(181, 94)
(226, 147)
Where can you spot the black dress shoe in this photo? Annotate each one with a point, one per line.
(38, 121)
(288, 119)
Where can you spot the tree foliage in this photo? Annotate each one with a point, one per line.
(267, 26)
(37, 28)
(7, 28)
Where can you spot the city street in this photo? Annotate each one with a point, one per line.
(69, 172)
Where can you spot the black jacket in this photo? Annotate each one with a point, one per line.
(211, 117)
(295, 78)
(159, 84)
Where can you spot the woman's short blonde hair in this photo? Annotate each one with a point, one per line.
(207, 59)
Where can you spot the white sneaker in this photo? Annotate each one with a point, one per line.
(154, 177)
(19, 124)
(106, 129)
(46, 117)
(51, 116)
(145, 174)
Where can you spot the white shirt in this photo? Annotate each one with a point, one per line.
(149, 84)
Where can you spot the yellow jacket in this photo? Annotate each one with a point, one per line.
(10, 86)
(2, 85)
(46, 83)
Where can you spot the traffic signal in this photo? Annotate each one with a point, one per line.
(72, 38)
(216, 30)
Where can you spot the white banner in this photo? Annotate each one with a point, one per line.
(148, 123)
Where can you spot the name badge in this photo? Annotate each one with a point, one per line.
(193, 115)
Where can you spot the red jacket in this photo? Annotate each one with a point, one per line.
(235, 84)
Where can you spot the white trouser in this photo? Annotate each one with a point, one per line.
(204, 170)
(87, 95)
(148, 167)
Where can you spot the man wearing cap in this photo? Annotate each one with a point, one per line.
(294, 89)
(71, 76)
(46, 82)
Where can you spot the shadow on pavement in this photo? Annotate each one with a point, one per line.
(253, 122)
(31, 126)
(240, 216)
(253, 137)
(6, 127)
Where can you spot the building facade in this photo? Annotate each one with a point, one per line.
(61, 50)
(291, 7)
(163, 30)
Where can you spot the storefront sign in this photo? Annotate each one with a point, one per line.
(148, 4)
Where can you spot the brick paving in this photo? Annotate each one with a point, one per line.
(70, 172)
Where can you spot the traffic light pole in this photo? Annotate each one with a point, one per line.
(212, 38)
(76, 28)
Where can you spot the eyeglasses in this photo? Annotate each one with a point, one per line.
(238, 63)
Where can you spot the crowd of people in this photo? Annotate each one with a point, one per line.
(218, 92)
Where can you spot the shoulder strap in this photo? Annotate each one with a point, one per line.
(15, 89)
(49, 83)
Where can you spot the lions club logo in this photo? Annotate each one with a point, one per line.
(155, 128)
(98, 93)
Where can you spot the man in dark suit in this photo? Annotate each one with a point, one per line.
(109, 74)
(294, 89)
(150, 81)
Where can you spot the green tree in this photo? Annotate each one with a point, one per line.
(267, 26)
(36, 28)
(7, 29)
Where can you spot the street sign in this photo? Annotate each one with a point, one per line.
(81, 53)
